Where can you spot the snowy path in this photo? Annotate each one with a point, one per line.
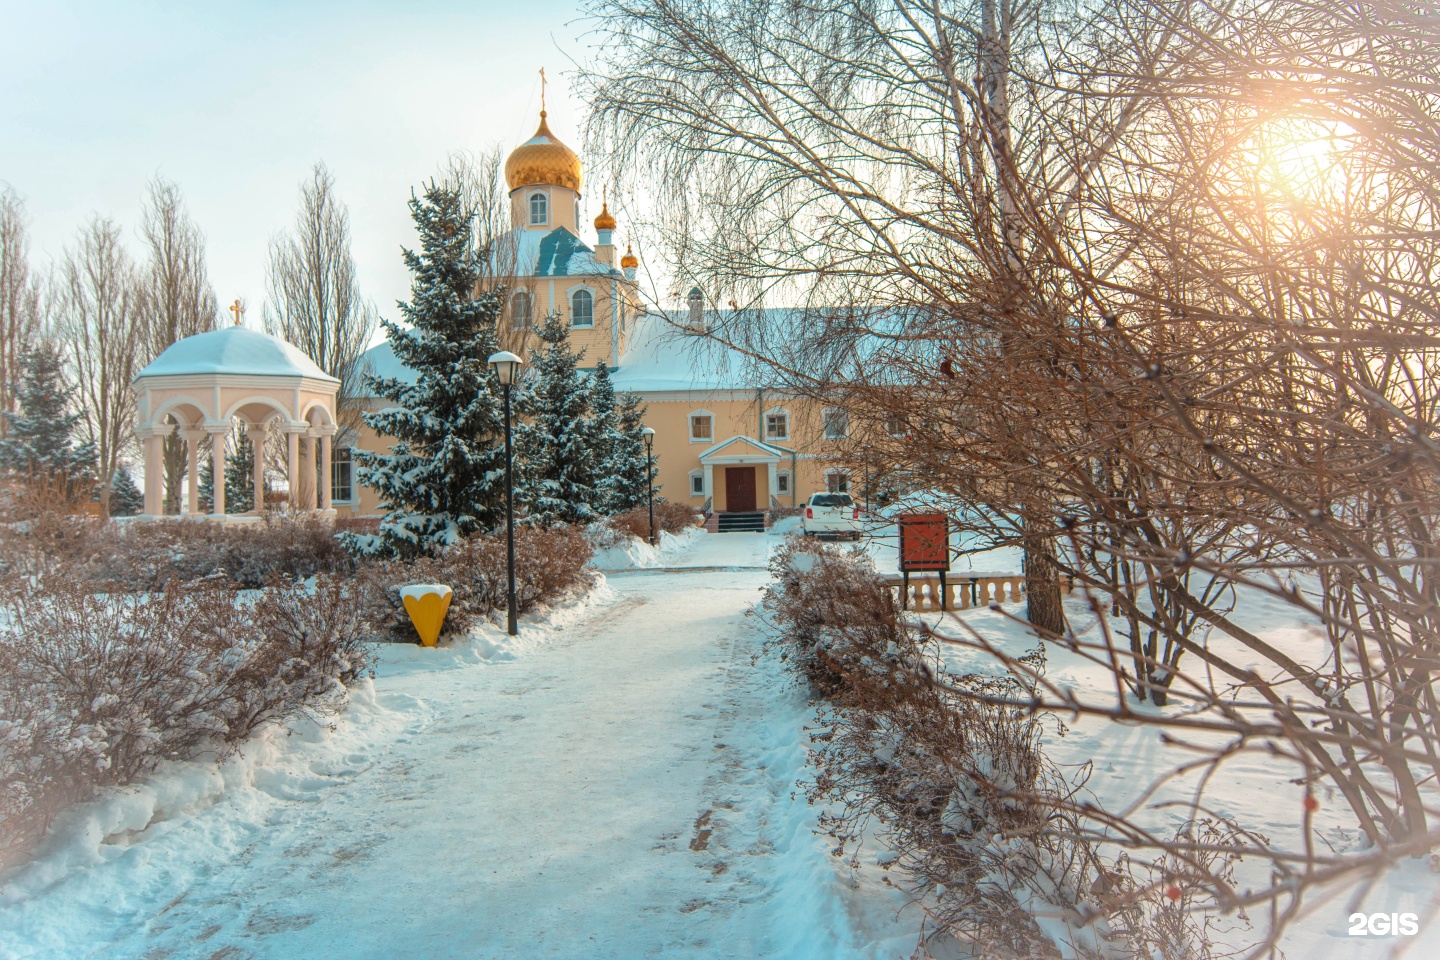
(623, 790)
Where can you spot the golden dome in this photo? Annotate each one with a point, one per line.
(543, 159)
(629, 260)
(606, 220)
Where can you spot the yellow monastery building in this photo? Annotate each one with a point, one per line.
(721, 443)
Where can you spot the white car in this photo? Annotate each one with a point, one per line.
(831, 515)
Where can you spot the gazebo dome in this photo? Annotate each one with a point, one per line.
(234, 350)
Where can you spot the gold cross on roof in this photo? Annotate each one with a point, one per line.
(236, 309)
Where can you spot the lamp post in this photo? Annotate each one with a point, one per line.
(507, 367)
(649, 436)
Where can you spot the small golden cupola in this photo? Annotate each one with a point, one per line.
(629, 263)
(543, 159)
(606, 220)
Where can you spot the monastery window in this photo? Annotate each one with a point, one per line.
(777, 425)
(341, 488)
(697, 483)
(582, 309)
(539, 208)
(782, 483)
(702, 428)
(520, 309)
(837, 424)
(837, 481)
(895, 426)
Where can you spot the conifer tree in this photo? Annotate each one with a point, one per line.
(239, 474)
(39, 440)
(126, 500)
(603, 428)
(627, 456)
(555, 444)
(444, 478)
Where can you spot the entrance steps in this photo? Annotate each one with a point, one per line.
(740, 522)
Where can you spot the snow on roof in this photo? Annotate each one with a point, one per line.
(234, 350)
(558, 253)
(660, 356)
(380, 362)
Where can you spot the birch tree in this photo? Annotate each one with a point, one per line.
(20, 298)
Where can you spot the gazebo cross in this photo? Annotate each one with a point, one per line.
(236, 309)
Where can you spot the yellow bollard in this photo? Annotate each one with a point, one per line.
(427, 604)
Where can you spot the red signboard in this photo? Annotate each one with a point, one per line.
(924, 542)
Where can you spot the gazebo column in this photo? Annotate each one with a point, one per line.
(311, 469)
(219, 435)
(258, 434)
(327, 478)
(153, 439)
(192, 436)
(292, 462)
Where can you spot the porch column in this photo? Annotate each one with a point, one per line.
(326, 479)
(710, 487)
(192, 436)
(292, 463)
(257, 434)
(772, 474)
(219, 436)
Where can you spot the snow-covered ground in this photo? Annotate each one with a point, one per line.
(638, 554)
(619, 782)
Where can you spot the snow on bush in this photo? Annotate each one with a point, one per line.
(96, 689)
(669, 518)
(549, 563)
(995, 841)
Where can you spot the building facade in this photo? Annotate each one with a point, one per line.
(722, 443)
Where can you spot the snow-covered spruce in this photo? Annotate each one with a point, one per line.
(444, 476)
(39, 441)
(559, 445)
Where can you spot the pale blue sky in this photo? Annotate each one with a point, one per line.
(235, 101)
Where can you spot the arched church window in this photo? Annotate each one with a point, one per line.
(538, 211)
(582, 309)
(520, 309)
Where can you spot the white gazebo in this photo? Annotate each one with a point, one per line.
(201, 383)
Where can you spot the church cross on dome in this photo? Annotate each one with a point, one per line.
(542, 91)
(238, 309)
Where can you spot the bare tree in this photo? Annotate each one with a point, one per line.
(20, 296)
(178, 294)
(103, 317)
(313, 298)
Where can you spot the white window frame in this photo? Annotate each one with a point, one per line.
(336, 462)
(782, 483)
(837, 481)
(516, 320)
(697, 483)
(834, 414)
(890, 430)
(785, 417)
(544, 210)
(690, 426)
(570, 299)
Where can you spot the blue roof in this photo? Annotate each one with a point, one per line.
(559, 253)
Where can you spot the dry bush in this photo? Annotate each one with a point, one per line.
(775, 514)
(993, 839)
(96, 689)
(669, 518)
(43, 526)
(549, 564)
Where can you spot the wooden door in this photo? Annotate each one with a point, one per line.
(740, 489)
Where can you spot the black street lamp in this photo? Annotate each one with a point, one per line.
(649, 436)
(507, 367)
